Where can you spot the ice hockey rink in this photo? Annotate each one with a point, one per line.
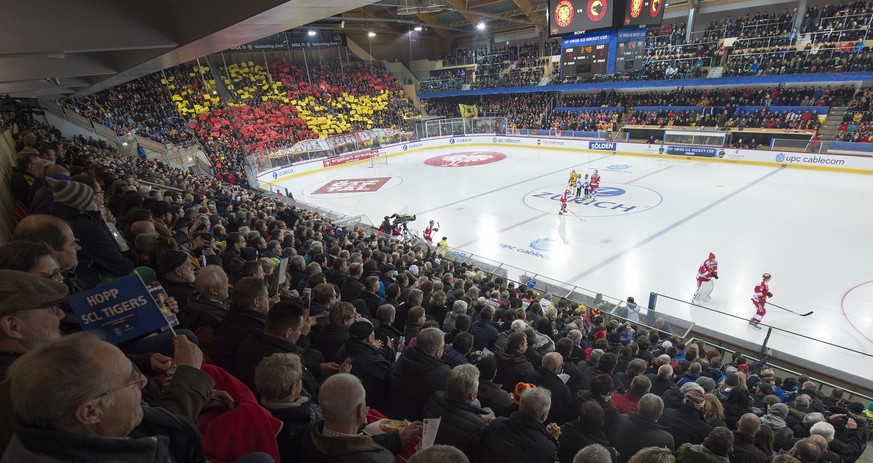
(655, 221)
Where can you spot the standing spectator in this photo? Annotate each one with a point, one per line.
(418, 373)
(522, 437)
(634, 432)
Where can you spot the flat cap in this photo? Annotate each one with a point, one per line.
(26, 291)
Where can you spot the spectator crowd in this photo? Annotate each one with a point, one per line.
(342, 356)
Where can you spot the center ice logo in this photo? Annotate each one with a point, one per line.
(610, 201)
(471, 158)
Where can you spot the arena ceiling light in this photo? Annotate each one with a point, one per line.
(481, 26)
(371, 34)
(418, 28)
(311, 33)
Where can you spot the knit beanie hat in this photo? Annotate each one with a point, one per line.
(519, 390)
(360, 330)
(171, 260)
(73, 194)
(780, 410)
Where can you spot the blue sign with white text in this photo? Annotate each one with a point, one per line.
(601, 145)
(698, 151)
(122, 310)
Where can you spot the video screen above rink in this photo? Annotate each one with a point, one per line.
(644, 12)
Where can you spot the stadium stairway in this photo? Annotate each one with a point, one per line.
(835, 118)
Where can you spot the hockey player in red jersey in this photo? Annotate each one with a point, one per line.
(429, 231)
(595, 183)
(564, 202)
(762, 292)
(705, 273)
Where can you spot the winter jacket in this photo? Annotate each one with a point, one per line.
(484, 334)
(564, 408)
(462, 424)
(783, 436)
(177, 439)
(296, 419)
(689, 453)
(519, 439)
(493, 396)
(632, 433)
(745, 450)
(100, 255)
(685, 424)
(351, 289)
(511, 368)
(415, 378)
(330, 339)
(257, 346)
(373, 367)
(577, 435)
(353, 449)
(236, 326)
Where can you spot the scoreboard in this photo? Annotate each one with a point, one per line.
(585, 60)
(604, 53)
(583, 16)
(629, 56)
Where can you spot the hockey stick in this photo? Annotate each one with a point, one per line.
(795, 313)
(577, 216)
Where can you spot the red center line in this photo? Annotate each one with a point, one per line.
(647, 175)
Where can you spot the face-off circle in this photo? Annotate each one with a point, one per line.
(465, 159)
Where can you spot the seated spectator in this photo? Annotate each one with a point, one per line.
(846, 443)
(686, 423)
(634, 432)
(522, 437)
(563, 408)
(775, 420)
(414, 322)
(585, 431)
(512, 366)
(385, 332)
(331, 337)
(59, 236)
(744, 440)
(284, 324)
(439, 454)
(249, 304)
(94, 394)
(370, 362)
(491, 394)
(100, 256)
(461, 346)
(626, 403)
(418, 373)
(484, 330)
(338, 436)
(207, 307)
(462, 422)
(176, 274)
(716, 448)
(279, 381)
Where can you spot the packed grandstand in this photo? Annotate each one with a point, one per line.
(293, 331)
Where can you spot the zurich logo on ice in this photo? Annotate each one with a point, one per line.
(405, 147)
(619, 167)
(275, 175)
(609, 192)
(494, 140)
(451, 141)
(780, 157)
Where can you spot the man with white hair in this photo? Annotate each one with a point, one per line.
(846, 441)
(522, 437)
(594, 453)
(338, 437)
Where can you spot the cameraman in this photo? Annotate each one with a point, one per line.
(387, 227)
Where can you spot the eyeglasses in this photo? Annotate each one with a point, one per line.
(136, 377)
(56, 275)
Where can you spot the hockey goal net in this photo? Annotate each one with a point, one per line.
(378, 158)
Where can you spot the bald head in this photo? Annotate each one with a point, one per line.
(749, 424)
(806, 450)
(142, 227)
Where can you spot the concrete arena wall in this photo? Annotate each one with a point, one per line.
(832, 162)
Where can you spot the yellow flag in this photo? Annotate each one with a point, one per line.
(469, 110)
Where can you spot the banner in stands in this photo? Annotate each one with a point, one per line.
(122, 310)
(294, 39)
(330, 143)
